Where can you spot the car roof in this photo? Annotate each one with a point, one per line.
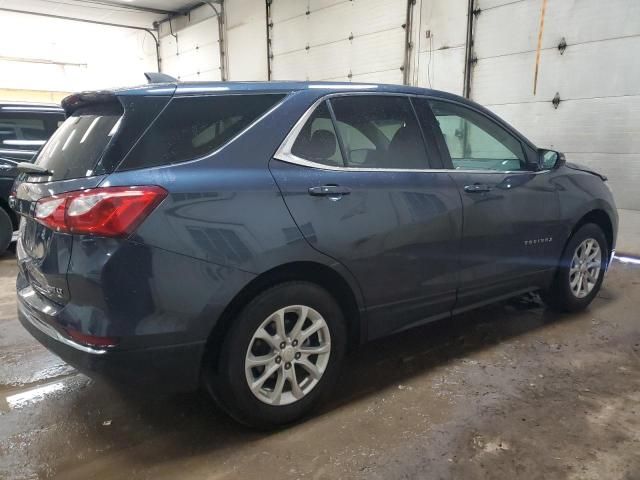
(196, 88)
(39, 107)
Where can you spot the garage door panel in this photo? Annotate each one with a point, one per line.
(377, 15)
(388, 76)
(330, 24)
(604, 125)
(623, 172)
(290, 66)
(315, 5)
(517, 22)
(290, 35)
(578, 21)
(318, 46)
(510, 79)
(168, 47)
(447, 22)
(202, 33)
(285, 9)
(442, 70)
(329, 61)
(376, 52)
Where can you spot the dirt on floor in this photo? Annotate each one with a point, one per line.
(508, 391)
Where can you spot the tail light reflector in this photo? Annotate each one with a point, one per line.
(103, 211)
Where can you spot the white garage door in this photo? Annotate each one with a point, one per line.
(597, 78)
(193, 53)
(339, 40)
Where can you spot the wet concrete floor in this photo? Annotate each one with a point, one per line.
(509, 391)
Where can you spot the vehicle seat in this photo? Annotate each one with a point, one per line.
(404, 151)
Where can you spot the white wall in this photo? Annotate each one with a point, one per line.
(70, 56)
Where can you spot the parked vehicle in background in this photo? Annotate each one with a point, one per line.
(244, 235)
(24, 128)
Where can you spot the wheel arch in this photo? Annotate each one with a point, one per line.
(313, 272)
(600, 218)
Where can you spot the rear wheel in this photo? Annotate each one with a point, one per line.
(6, 230)
(281, 356)
(581, 270)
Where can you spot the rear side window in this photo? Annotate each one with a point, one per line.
(379, 132)
(191, 127)
(75, 148)
(317, 140)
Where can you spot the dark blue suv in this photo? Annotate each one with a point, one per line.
(243, 235)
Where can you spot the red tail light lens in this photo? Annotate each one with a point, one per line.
(92, 340)
(106, 211)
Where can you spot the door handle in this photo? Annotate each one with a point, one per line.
(477, 188)
(329, 191)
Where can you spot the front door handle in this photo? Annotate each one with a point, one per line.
(477, 188)
(329, 191)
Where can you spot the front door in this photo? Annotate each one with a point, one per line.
(363, 194)
(511, 233)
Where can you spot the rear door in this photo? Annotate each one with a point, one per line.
(511, 209)
(356, 177)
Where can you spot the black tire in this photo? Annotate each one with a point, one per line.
(6, 231)
(560, 296)
(227, 381)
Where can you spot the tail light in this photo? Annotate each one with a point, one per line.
(103, 211)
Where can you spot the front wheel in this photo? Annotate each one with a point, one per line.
(281, 355)
(581, 270)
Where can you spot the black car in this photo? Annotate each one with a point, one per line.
(24, 128)
(244, 235)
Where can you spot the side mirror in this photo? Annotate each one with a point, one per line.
(550, 159)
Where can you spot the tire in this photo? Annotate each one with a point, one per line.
(6, 231)
(564, 295)
(228, 381)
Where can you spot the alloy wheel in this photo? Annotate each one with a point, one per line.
(287, 355)
(585, 268)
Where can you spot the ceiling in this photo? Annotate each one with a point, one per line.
(139, 13)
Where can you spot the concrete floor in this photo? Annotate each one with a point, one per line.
(510, 391)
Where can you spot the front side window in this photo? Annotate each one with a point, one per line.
(191, 127)
(379, 132)
(475, 142)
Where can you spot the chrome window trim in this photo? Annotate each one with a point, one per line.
(284, 154)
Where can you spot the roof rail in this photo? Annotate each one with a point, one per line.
(157, 77)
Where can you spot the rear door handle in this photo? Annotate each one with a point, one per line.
(477, 188)
(329, 191)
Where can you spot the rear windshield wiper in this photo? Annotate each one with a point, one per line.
(32, 169)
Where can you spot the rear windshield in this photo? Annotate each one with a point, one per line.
(75, 148)
(27, 131)
(191, 127)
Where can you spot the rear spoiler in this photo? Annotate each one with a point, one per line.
(78, 100)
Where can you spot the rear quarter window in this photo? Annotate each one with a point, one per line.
(191, 127)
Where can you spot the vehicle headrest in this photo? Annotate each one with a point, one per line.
(322, 144)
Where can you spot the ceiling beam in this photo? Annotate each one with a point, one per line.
(124, 6)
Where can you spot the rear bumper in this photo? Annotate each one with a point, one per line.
(167, 368)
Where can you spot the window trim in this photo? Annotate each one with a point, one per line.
(283, 153)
